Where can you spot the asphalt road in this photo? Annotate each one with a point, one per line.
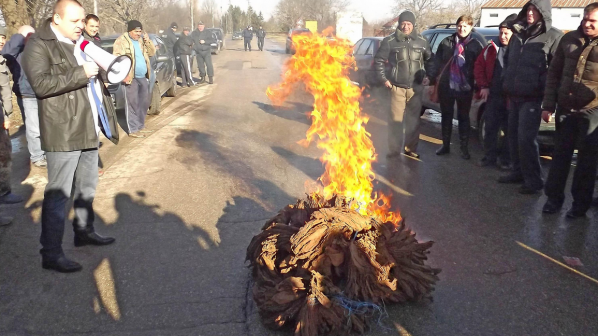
(185, 202)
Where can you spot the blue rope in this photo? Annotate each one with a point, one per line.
(368, 309)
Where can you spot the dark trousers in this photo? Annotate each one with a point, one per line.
(138, 102)
(68, 170)
(524, 123)
(403, 124)
(572, 131)
(204, 60)
(260, 43)
(186, 74)
(496, 118)
(247, 44)
(447, 108)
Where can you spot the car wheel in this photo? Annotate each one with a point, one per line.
(172, 90)
(156, 101)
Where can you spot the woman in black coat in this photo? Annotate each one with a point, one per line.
(453, 63)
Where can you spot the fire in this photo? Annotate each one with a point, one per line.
(338, 125)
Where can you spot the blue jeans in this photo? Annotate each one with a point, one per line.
(28, 108)
(69, 173)
(524, 124)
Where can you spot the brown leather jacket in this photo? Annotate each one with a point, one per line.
(572, 80)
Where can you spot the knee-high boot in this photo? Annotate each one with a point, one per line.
(447, 129)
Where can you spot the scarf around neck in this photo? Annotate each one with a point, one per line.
(457, 80)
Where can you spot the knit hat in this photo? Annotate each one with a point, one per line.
(3, 30)
(134, 24)
(186, 29)
(200, 23)
(174, 25)
(507, 22)
(407, 16)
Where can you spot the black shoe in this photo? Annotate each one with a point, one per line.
(465, 155)
(11, 198)
(486, 162)
(62, 265)
(445, 149)
(511, 179)
(210, 80)
(202, 80)
(551, 207)
(525, 190)
(575, 213)
(411, 154)
(82, 239)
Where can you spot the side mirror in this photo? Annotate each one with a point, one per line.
(163, 58)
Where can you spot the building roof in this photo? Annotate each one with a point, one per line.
(521, 3)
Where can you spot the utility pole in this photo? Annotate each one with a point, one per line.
(95, 7)
(192, 9)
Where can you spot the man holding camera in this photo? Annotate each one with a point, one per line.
(73, 108)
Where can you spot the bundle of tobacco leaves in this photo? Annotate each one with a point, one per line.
(317, 254)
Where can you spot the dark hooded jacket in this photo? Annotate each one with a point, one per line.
(170, 40)
(408, 58)
(13, 53)
(572, 81)
(184, 45)
(60, 84)
(531, 50)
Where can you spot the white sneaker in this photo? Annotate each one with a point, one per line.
(41, 163)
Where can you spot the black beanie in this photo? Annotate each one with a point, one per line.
(174, 25)
(407, 16)
(134, 24)
(507, 22)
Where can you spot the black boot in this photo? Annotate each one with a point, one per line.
(464, 139)
(202, 80)
(62, 265)
(447, 129)
(85, 237)
(210, 80)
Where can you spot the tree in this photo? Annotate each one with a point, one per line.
(473, 8)
(288, 12)
(424, 10)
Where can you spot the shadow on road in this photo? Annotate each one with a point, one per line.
(295, 112)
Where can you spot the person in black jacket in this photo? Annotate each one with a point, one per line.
(453, 64)
(260, 34)
(202, 41)
(183, 48)
(92, 29)
(171, 38)
(408, 54)
(531, 50)
(248, 36)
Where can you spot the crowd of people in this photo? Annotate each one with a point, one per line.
(533, 72)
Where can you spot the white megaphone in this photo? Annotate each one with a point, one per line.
(117, 67)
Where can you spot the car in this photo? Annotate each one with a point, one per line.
(238, 35)
(162, 77)
(435, 35)
(364, 51)
(219, 36)
(292, 32)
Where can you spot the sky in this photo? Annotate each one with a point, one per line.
(372, 10)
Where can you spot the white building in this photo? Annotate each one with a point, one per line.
(566, 14)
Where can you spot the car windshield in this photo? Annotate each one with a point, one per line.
(108, 45)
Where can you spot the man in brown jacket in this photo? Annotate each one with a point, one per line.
(571, 88)
(137, 45)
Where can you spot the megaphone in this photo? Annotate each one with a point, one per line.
(117, 67)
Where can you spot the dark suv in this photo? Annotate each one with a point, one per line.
(219, 37)
(435, 35)
(162, 76)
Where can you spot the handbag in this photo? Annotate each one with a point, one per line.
(434, 94)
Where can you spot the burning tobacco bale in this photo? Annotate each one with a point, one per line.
(323, 268)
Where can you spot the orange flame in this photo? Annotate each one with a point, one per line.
(338, 125)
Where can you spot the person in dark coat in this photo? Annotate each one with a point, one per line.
(73, 110)
(261, 35)
(453, 64)
(184, 48)
(92, 29)
(488, 72)
(202, 42)
(571, 87)
(531, 50)
(13, 52)
(247, 37)
(171, 38)
(408, 54)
